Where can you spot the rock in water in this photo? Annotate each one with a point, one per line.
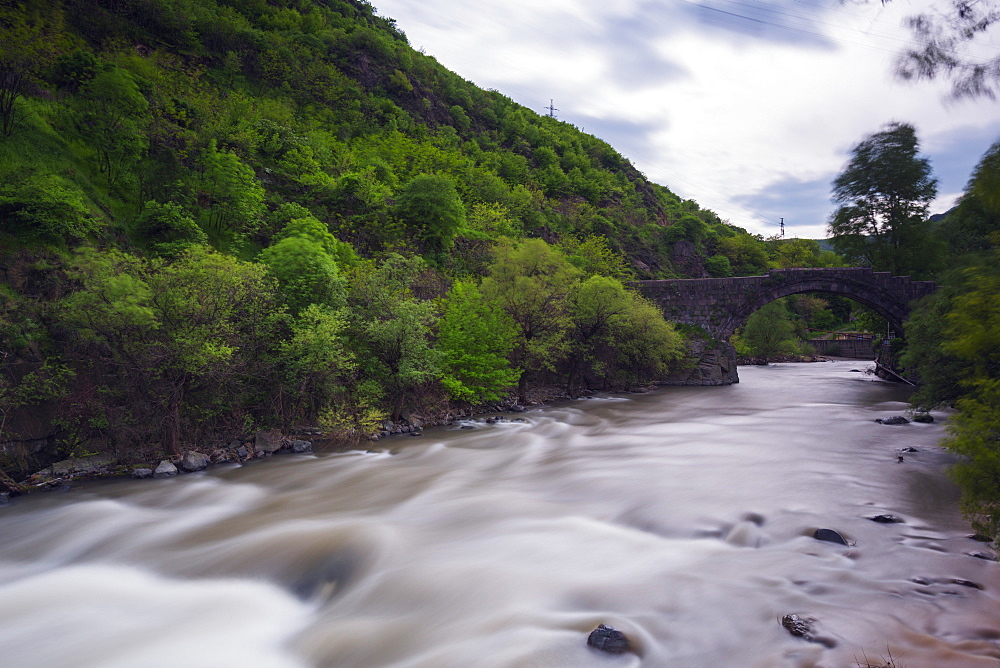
(895, 419)
(886, 519)
(142, 473)
(608, 640)
(300, 446)
(194, 461)
(799, 626)
(829, 536)
(165, 470)
(926, 418)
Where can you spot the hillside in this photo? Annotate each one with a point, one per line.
(221, 216)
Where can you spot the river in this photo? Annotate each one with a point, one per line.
(683, 517)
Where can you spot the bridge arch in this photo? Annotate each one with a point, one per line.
(721, 305)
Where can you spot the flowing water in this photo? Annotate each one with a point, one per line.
(683, 517)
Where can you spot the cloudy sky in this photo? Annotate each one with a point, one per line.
(749, 107)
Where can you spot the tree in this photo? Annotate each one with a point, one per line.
(113, 118)
(390, 330)
(474, 338)
(944, 41)
(168, 228)
(305, 272)
(430, 207)
(173, 344)
(530, 281)
(316, 361)
(617, 335)
(972, 335)
(28, 44)
(45, 208)
(883, 194)
(769, 332)
(233, 197)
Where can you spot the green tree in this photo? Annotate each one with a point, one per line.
(305, 272)
(430, 207)
(175, 345)
(617, 336)
(113, 119)
(233, 198)
(531, 281)
(29, 40)
(44, 208)
(972, 335)
(391, 331)
(883, 195)
(474, 338)
(316, 361)
(769, 332)
(168, 228)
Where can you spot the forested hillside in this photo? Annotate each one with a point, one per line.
(218, 216)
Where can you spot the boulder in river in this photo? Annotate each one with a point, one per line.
(165, 469)
(830, 536)
(926, 418)
(193, 461)
(300, 446)
(886, 519)
(986, 556)
(895, 419)
(142, 473)
(608, 640)
(799, 626)
(267, 442)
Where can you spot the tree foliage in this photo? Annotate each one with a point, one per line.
(474, 337)
(884, 193)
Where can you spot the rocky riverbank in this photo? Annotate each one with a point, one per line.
(264, 444)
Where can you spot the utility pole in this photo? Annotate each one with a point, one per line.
(782, 228)
(552, 108)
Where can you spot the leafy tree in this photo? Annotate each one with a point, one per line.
(113, 119)
(944, 38)
(305, 272)
(430, 207)
(769, 332)
(169, 228)
(645, 346)
(972, 335)
(474, 339)
(29, 41)
(883, 194)
(310, 227)
(233, 197)
(44, 208)
(531, 281)
(391, 330)
(747, 256)
(594, 256)
(316, 361)
(617, 335)
(174, 343)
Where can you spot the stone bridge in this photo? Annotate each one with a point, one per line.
(721, 305)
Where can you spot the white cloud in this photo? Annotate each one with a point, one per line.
(723, 102)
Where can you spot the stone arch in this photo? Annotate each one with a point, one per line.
(721, 305)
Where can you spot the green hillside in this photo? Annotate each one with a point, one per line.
(220, 216)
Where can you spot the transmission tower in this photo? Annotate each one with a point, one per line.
(551, 108)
